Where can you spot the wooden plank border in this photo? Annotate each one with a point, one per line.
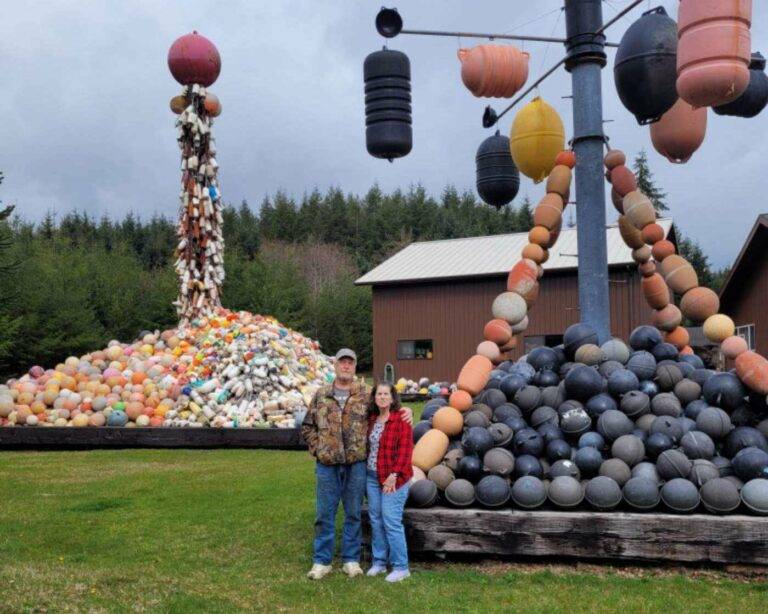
(698, 538)
(70, 438)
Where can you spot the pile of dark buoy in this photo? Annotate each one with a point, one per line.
(635, 427)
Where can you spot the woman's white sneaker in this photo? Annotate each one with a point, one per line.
(397, 575)
(376, 570)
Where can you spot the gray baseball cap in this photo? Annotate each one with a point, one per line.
(346, 353)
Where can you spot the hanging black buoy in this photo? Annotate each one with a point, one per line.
(755, 98)
(498, 179)
(387, 75)
(645, 71)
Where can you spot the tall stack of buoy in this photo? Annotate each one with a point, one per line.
(195, 63)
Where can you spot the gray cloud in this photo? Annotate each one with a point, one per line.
(87, 125)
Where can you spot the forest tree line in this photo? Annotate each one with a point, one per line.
(70, 284)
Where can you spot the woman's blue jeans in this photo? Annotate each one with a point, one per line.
(345, 484)
(387, 532)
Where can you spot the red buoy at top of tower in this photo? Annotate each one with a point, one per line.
(192, 59)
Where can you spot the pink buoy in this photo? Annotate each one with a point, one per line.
(192, 59)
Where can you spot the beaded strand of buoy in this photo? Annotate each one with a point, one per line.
(510, 311)
(665, 274)
(195, 63)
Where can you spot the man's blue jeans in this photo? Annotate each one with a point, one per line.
(345, 483)
(387, 532)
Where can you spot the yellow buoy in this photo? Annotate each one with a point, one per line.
(537, 136)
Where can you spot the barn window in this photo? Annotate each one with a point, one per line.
(748, 333)
(417, 349)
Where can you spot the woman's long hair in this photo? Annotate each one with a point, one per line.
(372, 407)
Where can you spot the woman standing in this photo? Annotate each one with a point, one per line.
(390, 446)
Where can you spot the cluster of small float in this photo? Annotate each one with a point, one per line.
(227, 370)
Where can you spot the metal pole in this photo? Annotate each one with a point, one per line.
(586, 58)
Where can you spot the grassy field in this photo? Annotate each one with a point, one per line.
(225, 530)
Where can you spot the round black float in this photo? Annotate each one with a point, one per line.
(528, 398)
(422, 493)
(543, 415)
(615, 350)
(529, 492)
(592, 439)
(649, 388)
(550, 432)
(498, 461)
(558, 449)
(656, 443)
(617, 470)
(646, 470)
(666, 404)
(492, 491)
(602, 493)
(506, 410)
(696, 444)
(714, 422)
(553, 396)
(754, 494)
(744, 437)
(635, 404)
(501, 433)
(672, 427)
(703, 471)
(577, 335)
(641, 494)
(564, 467)
(599, 404)
(510, 384)
(612, 424)
(441, 475)
(673, 464)
(583, 382)
(667, 377)
(542, 358)
(723, 465)
(565, 492)
(528, 441)
(664, 351)
(420, 429)
(645, 338)
(642, 364)
(694, 408)
(750, 463)
(680, 495)
(527, 464)
(687, 391)
(452, 458)
(470, 468)
(494, 398)
(720, 496)
(622, 381)
(724, 390)
(628, 448)
(476, 419)
(460, 493)
(588, 460)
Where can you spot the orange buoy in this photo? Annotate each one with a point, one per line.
(631, 235)
(618, 201)
(533, 252)
(652, 233)
(662, 249)
(549, 211)
(498, 331)
(567, 158)
(679, 132)
(639, 210)
(623, 180)
(494, 71)
(667, 318)
(679, 274)
(559, 181)
(700, 303)
(448, 420)
(678, 337)
(614, 158)
(733, 346)
(752, 369)
(474, 374)
(641, 254)
(714, 50)
(460, 399)
(430, 449)
(540, 236)
(655, 291)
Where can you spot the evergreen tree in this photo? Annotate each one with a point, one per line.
(692, 252)
(646, 184)
(524, 220)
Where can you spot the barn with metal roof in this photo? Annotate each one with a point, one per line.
(432, 298)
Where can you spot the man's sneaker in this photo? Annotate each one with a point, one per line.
(376, 570)
(397, 575)
(352, 569)
(318, 571)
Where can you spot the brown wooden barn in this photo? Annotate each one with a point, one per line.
(432, 299)
(744, 295)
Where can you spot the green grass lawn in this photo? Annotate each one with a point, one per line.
(224, 530)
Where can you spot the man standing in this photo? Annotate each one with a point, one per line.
(336, 431)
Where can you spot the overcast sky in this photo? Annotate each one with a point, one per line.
(85, 91)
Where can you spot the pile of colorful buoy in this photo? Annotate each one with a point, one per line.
(228, 370)
(422, 387)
